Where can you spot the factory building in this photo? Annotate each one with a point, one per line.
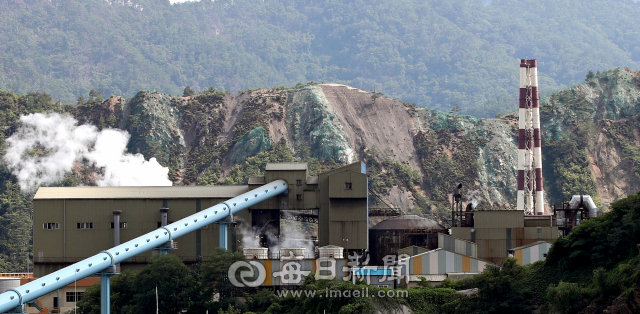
(495, 232)
(73, 223)
(530, 253)
(438, 265)
(390, 236)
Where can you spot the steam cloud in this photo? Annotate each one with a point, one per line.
(46, 146)
(474, 198)
(292, 237)
(249, 238)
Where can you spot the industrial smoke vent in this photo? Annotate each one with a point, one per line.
(255, 253)
(584, 201)
(331, 251)
(292, 252)
(408, 222)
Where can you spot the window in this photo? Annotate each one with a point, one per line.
(74, 296)
(123, 225)
(85, 225)
(298, 182)
(299, 197)
(347, 185)
(51, 225)
(160, 223)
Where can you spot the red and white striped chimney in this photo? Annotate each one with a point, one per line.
(530, 186)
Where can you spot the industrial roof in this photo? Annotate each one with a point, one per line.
(312, 180)
(441, 249)
(407, 222)
(257, 180)
(286, 166)
(140, 192)
(529, 245)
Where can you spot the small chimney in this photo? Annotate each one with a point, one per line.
(163, 216)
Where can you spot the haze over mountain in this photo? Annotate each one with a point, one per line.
(431, 53)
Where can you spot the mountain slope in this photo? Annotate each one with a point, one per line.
(416, 155)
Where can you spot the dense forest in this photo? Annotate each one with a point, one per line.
(431, 53)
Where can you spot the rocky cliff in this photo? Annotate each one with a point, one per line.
(415, 155)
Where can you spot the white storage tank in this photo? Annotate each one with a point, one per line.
(331, 251)
(292, 252)
(255, 253)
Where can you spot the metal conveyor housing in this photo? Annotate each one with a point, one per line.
(17, 297)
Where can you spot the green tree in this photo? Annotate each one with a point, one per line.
(375, 95)
(214, 272)
(455, 108)
(568, 298)
(122, 292)
(503, 290)
(188, 92)
(590, 75)
(174, 282)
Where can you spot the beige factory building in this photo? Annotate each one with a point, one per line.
(73, 223)
(495, 232)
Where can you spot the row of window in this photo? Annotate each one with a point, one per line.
(123, 225)
(74, 296)
(79, 225)
(347, 185)
(89, 225)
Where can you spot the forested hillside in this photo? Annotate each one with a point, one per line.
(431, 53)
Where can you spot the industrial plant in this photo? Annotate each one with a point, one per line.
(83, 235)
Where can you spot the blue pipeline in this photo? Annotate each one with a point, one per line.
(101, 261)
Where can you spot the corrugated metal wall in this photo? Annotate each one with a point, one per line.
(413, 250)
(440, 261)
(456, 245)
(496, 232)
(499, 219)
(532, 254)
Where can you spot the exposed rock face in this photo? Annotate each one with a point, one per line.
(602, 115)
(312, 120)
(155, 126)
(592, 126)
(251, 144)
(383, 123)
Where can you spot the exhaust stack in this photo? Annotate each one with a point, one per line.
(530, 186)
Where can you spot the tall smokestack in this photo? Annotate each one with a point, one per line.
(530, 186)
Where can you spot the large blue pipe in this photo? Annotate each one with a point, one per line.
(99, 262)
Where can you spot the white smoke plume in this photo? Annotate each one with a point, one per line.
(46, 146)
(291, 237)
(249, 238)
(474, 197)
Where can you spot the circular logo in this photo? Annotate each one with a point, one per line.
(252, 274)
